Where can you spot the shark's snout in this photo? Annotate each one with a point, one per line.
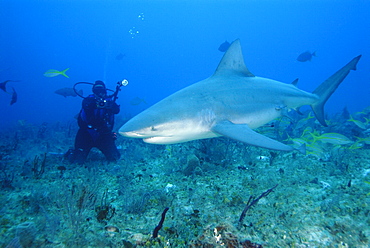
(131, 133)
(135, 129)
(128, 131)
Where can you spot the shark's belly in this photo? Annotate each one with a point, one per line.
(254, 116)
(257, 119)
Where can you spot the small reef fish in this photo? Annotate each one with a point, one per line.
(22, 123)
(366, 110)
(68, 92)
(358, 123)
(303, 122)
(364, 140)
(120, 56)
(357, 145)
(298, 142)
(317, 151)
(333, 138)
(137, 100)
(14, 97)
(224, 46)
(263, 158)
(54, 73)
(306, 56)
(57, 153)
(3, 84)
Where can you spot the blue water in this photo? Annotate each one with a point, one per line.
(321, 199)
(173, 44)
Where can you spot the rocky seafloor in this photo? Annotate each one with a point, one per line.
(302, 200)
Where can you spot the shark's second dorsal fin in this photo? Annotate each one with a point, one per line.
(233, 62)
(295, 82)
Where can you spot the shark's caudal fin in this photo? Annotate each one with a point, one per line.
(233, 61)
(326, 89)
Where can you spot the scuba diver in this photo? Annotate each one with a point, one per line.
(95, 121)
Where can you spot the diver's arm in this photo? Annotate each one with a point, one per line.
(89, 103)
(113, 107)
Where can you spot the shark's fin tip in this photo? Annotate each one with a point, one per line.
(233, 61)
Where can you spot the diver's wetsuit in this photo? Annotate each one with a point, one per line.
(96, 120)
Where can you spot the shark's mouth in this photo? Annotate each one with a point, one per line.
(156, 137)
(148, 139)
(154, 140)
(162, 140)
(135, 134)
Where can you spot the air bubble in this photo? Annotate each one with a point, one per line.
(141, 16)
(133, 32)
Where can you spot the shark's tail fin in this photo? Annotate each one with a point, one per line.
(327, 88)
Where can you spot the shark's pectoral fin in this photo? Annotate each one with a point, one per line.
(245, 134)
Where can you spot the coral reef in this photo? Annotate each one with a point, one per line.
(322, 199)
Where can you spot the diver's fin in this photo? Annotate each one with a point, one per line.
(326, 89)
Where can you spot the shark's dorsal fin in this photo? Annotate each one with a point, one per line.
(233, 62)
(295, 82)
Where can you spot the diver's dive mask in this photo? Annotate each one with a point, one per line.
(99, 89)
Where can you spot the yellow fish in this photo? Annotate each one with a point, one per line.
(364, 140)
(54, 73)
(333, 138)
(358, 123)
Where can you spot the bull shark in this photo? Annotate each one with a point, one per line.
(232, 102)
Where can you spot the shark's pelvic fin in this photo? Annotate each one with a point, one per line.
(326, 89)
(233, 61)
(245, 134)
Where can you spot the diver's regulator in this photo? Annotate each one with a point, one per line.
(101, 103)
